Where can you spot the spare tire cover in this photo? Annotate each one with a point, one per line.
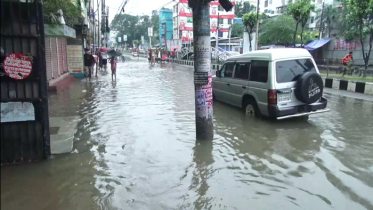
(309, 88)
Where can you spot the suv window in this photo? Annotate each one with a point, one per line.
(227, 70)
(259, 71)
(242, 71)
(291, 70)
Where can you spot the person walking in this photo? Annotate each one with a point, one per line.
(173, 55)
(113, 64)
(150, 55)
(347, 61)
(89, 62)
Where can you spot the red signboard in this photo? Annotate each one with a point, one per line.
(17, 66)
(211, 3)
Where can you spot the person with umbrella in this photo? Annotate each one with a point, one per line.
(113, 62)
(103, 57)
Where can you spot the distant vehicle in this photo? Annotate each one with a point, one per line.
(277, 83)
(142, 51)
(135, 54)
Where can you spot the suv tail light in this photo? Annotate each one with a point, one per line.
(272, 96)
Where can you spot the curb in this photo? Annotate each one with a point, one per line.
(334, 83)
(349, 85)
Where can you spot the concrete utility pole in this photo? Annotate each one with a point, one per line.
(321, 20)
(202, 69)
(257, 26)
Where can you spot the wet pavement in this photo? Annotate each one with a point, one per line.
(135, 148)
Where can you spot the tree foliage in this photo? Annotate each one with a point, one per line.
(360, 23)
(249, 21)
(277, 31)
(237, 30)
(71, 12)
(328, 19)
(135, 26)
(241, 9)
(300, 11)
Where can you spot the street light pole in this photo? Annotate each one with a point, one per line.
(202, 70)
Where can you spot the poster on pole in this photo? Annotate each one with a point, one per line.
(142, 40)
(124, 38)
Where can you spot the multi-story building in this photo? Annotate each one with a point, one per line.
(165, 26)
(278, 7)
(220, 20)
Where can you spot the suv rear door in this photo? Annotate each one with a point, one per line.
(287, 73)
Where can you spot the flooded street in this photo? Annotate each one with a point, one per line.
(135, 148)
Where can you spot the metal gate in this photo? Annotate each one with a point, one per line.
(24, 97)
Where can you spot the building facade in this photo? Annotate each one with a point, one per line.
(165, 26)
(220, 20)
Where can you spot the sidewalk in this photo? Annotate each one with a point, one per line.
(64, 106)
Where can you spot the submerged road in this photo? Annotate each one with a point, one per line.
(135, 148)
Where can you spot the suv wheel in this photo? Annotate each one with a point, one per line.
(251, 108)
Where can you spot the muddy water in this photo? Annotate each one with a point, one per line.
(135, 148)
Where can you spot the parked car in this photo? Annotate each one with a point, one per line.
(135, 54)
(277, 83)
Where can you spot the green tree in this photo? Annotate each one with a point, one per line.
(125, 24)
(237, 30)
(249, 21)
(300, 11)
(327, 18)
(360, 23)
(241, 9)
(277, 31)
(71, 12)
(155, 25)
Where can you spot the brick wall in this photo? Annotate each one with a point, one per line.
(56, 58)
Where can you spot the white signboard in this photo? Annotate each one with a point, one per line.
(142, 40)
(119, 39)
(124, 38)
(17, 111)
(75, 58)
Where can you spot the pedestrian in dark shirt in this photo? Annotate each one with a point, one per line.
(89, 62)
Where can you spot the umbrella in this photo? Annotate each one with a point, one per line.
(113, 53)
(104, 49)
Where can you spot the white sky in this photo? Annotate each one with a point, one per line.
(135, 7)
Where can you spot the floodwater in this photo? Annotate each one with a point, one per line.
(135, 148)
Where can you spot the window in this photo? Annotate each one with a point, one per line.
(229, 21)
(291, 70)
(227, 70)
(312, 19)
(242, 71)
(266, 3)
(220, 8)
(259, 71)
(220, 34)
(220, 21)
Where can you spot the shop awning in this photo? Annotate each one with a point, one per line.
(316, 44)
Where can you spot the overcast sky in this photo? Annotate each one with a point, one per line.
(135, 7)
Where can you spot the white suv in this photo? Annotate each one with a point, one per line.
(277, 83)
